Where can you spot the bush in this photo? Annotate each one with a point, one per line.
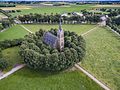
(38, 55)
(3, 64)
(10, 43)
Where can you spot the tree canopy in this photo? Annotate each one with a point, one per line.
(38, 55)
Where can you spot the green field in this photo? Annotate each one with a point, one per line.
(12, 57)
(13, 33)
(42, 10)
(27, 79)
(19, 32)
(76, 28)
(103, 57)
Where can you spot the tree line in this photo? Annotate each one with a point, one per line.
(113, 23)
(54, 18)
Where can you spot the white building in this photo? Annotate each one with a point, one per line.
(103, 20)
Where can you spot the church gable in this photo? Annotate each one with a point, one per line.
(50, 39)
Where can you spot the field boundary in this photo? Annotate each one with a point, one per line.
(92, 77)
(113, 31)
(12, 71)
(87, 73)
(89, 31)
(26, 28)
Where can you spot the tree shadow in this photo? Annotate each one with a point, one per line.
(30, 73)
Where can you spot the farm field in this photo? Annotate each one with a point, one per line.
(27, 79)
(103, 56)
(18, 7)
(42, 10)
(106, 6)
(14, 32)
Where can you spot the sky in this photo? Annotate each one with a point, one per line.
(59, 0)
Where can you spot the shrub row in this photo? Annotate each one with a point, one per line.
(115, 28)
(10, 43)
(3, 62)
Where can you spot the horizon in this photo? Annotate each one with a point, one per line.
(63, 0)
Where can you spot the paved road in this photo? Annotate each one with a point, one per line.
(12, 71)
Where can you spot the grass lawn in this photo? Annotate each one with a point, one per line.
(103, 57)
(13, 33)
(79, 29)
(49, 10)
(12, 57)
(27, 79)
(19, 32)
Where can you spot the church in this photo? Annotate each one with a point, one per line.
(55, 41)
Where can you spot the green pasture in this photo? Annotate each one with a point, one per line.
(103, 56)
(17, 31)
(79, 29)
(27, 79)
(12, 56)
(14, 32)
(52, 9)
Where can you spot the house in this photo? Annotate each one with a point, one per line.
(103, 20)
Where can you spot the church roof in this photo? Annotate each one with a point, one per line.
(50, 39)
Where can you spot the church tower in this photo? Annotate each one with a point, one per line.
(60, 35)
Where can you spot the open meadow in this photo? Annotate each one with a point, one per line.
(13, 32)
(52, 9)
(31, 80)
(103, 56)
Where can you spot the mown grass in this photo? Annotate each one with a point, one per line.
(13, 33)
(103, 57)
(27, 79)
(79, 29)
(17, 31)
(12, 57)
(49, 10)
